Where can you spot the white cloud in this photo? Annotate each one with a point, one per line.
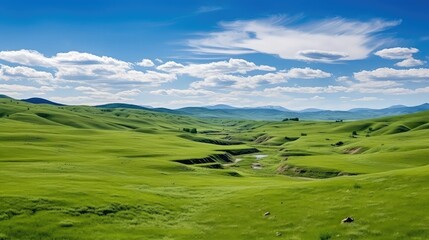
(16, 88)
(396, 53)
(306, 73)
(324, 41)
(146, 63)
(393, 74)
(409, 62)
(84, 67)
(306, 90)
(76, 100)
(25, 57)
(253, 81)
(367, 99)
(317, 98)
(105, 95)
(213, 68)
(183, 92)
(399, 53)
(238, 81)
(422, 90)
(19, 73)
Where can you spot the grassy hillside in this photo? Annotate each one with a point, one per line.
(70, 172)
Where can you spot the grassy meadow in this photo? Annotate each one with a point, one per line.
(76, 172)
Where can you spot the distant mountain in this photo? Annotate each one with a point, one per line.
(220, 106)
(37, 100)
(307, 114)
(280, 108)
(311, 110)
(396, 106)
(238, 113)
(224, 106)
(359, 109)
(4, 96)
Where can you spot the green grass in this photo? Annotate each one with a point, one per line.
(88, 173)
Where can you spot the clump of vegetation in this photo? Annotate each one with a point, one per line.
(189, 130)
(338, 144)
(291, 139)
(325, 236)
(303, 134)
(66, 224)
(290, 119)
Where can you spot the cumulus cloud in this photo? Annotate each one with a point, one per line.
(80, 66)
(307, 73)
(393, 74)
(399, 53)
(409, 62)
(214, 68)
(253, 81)
(238, 81)
(146, 63)
(93, 93)
(25, 57)
(183, 92)
(19, 73)
(4, 88)
(307, 90)
(16, 90)
(396, 53)
(324, 41)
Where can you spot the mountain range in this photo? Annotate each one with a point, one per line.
(274, 113)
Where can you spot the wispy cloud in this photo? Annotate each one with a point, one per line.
(206, 9)
(323, 41)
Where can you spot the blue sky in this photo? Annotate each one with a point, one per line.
(295, 54)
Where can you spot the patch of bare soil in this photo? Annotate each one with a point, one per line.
(354, 150)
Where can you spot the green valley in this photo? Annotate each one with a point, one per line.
(79, 172)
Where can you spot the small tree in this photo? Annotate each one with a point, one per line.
(354, 133)
(193, 130)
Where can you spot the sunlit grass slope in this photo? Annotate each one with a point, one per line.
(76, 172)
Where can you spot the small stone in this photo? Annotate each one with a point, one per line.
(267, 214)
(278, 234)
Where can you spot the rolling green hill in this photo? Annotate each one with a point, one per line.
(267, 113)
(76, 172)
